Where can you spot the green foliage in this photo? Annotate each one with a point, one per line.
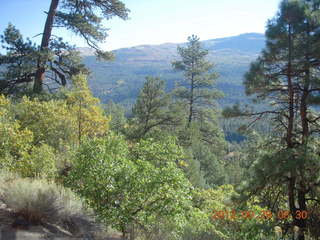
(205, 224)
(60, 123)
(152, 109)
(40, 161)
(204, 142)
(20, 62)
(14, 140)
(159, 153)
(85, 19)
(195, 97)
(125, 188)
(118, 121)
(90, 119)
(38, 136)
(285, 74)
(195, 90)
(51, 122)
(193, 170)
(232, 111)
(21, 56)
(55, 61)
(210, 164)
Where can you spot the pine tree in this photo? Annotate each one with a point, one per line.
(196, 97)
(117, 113)
(286, 73)
(152, 109)
(55, 59)
(20, 63)
(196, 90)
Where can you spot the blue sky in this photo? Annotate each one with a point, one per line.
(154, 21)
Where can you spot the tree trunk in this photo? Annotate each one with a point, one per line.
(291, 195)
(305, 93)
(124, 235)
(302, 220)
(191, 100)
(303, 115)
(304, 140)
(290, 94)
(132, 232)
(40, 73)
(305, 135)
(292, 189)
(292, 181)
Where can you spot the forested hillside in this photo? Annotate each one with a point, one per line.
(162, 143)
(121, 79)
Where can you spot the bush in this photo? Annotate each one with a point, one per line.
(126, 187)
(50, 122)
(41, 161)
(5, 178)
(36, 136)
(14, 141)
(39, 201)
(36, 201)
(38, 161)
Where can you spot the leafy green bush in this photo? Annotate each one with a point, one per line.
(41, 161)
(50, 122)
(131, 187)
(38, 161)
(14, 141)
(37, 136)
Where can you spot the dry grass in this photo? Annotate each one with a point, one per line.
(39, 201)
(35, 200)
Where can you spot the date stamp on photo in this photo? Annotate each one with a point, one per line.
(258, 215)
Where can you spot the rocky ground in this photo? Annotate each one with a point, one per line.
(16, 228)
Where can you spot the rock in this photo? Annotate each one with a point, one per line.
(10, 234)
(20, 223)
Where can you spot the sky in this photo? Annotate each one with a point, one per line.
(153, 21)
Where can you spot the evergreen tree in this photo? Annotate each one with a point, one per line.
(118, 121)
(152, 109)
(196, 96)
(286, 73)
(54, 59)
(196, 90)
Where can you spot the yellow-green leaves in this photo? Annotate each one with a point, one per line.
(88, 115)
(36, 135)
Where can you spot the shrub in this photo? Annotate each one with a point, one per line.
(5, 178)
(34, 132)
(39, 201)
(14, 141)
(36, 200)
(125, 187)
(50, 122)
(38, 161)
(41, 161)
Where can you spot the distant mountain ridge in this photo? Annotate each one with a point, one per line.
(122, 79)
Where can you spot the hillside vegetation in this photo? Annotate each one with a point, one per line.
(164, 145)
(121, 79)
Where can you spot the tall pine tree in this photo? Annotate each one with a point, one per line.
(152, 110)
(286, 74)
(196, 89)
(196, 95)
(55, 59)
